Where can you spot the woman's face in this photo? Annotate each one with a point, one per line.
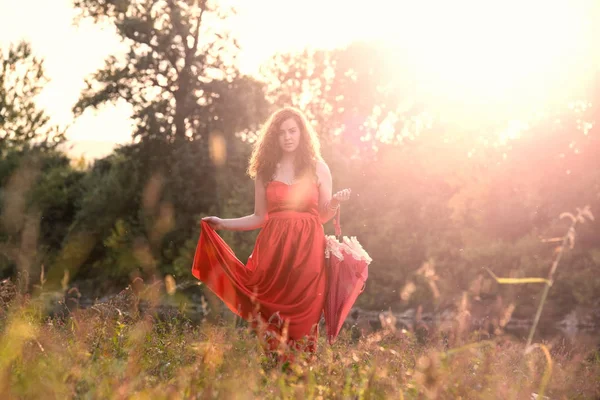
(289, 135)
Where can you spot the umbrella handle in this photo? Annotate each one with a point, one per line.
(336, 224)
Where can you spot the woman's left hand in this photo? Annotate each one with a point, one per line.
(342, 195)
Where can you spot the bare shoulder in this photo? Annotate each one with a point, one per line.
(322, 168)
(323, 172)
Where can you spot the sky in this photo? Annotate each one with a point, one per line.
(536, 37)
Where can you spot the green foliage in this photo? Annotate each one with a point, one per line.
(119, 260)
(22, 123)
(188, 101)
(38, 197)
(111, 188)
(178, 75)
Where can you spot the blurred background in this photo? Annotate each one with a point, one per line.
(465, 129)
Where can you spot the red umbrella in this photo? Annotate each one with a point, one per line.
(347, 264)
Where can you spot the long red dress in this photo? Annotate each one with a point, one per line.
(285, 278)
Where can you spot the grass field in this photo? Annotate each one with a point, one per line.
(112, 350)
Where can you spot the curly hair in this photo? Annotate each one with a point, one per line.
(266, 152)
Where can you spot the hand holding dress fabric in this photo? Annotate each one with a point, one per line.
(214, 222)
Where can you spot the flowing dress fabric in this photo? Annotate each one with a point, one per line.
(285, 275)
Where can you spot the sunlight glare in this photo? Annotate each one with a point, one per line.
(493, 51)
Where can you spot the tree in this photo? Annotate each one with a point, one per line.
(37, 186)
(188, 99)
(355, 95)
(179, 72)
(22, 123)
(181, 79)
(39, 196)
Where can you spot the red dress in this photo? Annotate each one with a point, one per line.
(285, 273)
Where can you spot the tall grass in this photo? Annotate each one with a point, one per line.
(117, 349)
(566, 242)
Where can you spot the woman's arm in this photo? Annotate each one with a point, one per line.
(328, 204)
(249, 222)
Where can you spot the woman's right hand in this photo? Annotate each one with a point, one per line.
(214, 222)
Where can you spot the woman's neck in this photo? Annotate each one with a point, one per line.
(287, 158)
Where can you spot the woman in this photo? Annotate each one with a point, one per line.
(283, 284)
